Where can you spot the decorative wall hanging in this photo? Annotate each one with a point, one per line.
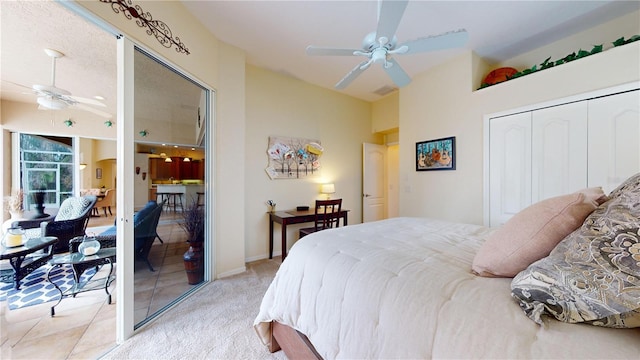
(159, 29)
(439, 154)
(98, 173)
(293, 158)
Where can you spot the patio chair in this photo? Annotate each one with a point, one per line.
(71, 221)
(145, 224)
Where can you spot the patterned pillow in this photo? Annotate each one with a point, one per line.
(593, 275)
(72, 208)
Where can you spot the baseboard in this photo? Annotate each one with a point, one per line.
(261, 257)
(232, 272)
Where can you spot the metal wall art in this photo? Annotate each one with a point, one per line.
(293, 158)
(159, 29)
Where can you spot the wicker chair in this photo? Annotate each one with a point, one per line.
(71, 221)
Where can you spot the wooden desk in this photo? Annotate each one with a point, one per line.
(288, 217)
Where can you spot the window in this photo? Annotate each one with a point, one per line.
(46, 164)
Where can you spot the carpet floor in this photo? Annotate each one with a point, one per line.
(214, 323)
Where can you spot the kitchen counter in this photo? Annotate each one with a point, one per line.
(189, 192)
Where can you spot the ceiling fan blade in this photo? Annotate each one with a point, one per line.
(87, 101)
(320, 51)
(352, 75)
(397, 74)
(448, 40)
(389, 15)
(19, 85)
(92, 110)
(50, 90)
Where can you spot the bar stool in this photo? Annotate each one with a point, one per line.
(200, 199)
(162, 196)
(174, 199)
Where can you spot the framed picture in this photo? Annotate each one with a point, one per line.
(98, 173)
(438, 154)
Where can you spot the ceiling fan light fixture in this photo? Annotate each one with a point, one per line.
(51, 103)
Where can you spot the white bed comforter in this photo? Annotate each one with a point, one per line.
(402, 288)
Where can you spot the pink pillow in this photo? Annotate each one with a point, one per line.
(532, 233)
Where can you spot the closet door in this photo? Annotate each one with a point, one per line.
(509, 166)
(559, 150)
(614, 148)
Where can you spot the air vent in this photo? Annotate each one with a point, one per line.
(385, 90)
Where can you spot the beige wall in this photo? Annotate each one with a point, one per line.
(627, 26)
(443, 102)
(384, 117)
(278, 105)
(222, 67)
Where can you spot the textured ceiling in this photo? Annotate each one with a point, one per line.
(274, 35)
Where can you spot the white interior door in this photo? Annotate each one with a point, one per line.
(374, 164)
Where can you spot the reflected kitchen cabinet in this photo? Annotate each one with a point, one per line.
(159, 169)
(178, 169)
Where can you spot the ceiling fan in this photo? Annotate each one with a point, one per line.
(51, 97)
(380, 45)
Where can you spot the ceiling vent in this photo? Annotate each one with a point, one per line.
(385, 90)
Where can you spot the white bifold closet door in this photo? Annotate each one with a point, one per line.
(559, 150)
(614, 139)
(509, 166)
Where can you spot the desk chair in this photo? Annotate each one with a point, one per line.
(327, 216)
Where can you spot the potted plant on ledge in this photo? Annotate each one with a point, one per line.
(193, 225)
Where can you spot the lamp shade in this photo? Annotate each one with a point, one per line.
(328, 188)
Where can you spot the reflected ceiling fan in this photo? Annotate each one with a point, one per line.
(380, 45)
(51, 97)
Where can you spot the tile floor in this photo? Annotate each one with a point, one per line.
(84, 327)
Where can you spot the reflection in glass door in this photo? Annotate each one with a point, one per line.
(170, 116)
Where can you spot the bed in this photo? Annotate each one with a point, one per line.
(403, 288)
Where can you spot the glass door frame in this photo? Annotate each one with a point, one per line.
(126, 325)
(125, 145)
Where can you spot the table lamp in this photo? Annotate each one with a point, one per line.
(328, 189)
